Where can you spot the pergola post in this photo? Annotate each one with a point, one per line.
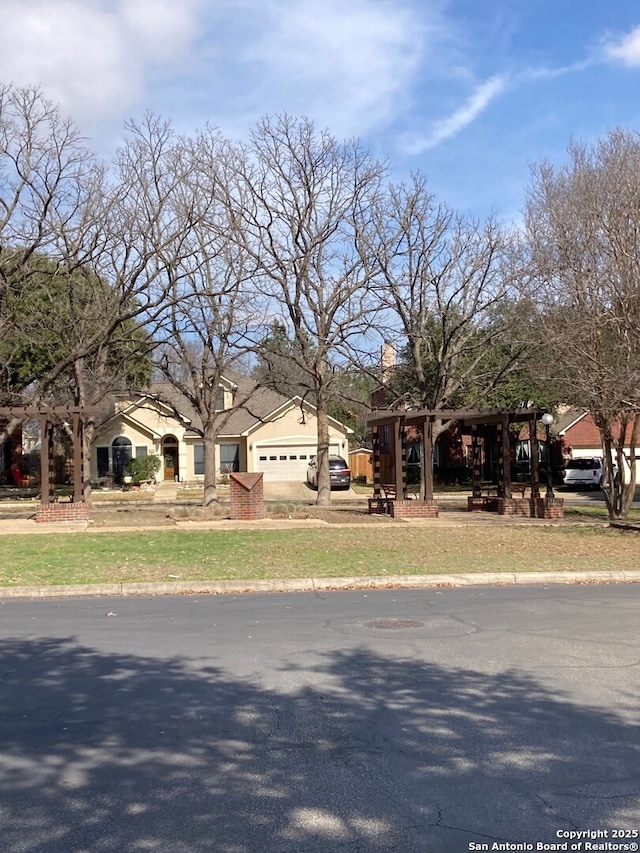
(533, 459)
(504, 458)
(400, 458)
(476, 462)
(78, 458)
(46, 440)
(375, 442)
(426, 483)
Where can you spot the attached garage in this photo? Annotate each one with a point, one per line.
(286, 462)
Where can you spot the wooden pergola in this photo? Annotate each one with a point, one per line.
(48, 417)
(486, 428)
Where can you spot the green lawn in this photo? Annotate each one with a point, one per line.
(331, 552)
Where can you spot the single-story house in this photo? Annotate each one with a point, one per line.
(579, 434)
(581, 437)
(259, 430)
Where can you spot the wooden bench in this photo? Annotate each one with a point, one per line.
(490, 490)
(380, 505)
(490, 494)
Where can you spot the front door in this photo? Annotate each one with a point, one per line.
(170, 457)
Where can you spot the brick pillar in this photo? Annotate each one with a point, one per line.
(247, 497)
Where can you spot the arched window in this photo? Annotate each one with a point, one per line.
(121, 452)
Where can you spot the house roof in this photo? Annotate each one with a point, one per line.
(252, 406)
(569, 418)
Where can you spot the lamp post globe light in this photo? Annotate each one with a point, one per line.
(547, 420)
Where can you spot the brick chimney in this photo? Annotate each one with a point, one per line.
(388, 361)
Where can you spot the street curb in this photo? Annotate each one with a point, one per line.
(318, 584)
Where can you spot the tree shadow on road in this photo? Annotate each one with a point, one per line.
(116, 752)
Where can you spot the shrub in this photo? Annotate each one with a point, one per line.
(143, 467)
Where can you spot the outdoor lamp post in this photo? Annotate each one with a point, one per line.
(547, 420)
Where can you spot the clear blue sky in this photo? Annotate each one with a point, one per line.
(470, 92)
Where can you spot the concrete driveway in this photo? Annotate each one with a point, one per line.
(289, 490)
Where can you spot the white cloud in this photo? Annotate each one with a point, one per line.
(92, 56)
(346, 65)
(464, 115)
(626, 49)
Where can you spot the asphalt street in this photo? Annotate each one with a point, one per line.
(432, 720)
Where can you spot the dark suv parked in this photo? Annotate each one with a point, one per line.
(339, 473)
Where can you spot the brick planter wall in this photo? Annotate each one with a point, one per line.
(475, 504)
(414, 509)
(63, 512)
(550, 509)
(517, 506)
(377, 506)
(247, 497)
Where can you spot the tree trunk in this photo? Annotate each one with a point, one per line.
(210, 466)
(628, 488)
(87, 440)
(619, 491)
(79, 373)
(322, 459)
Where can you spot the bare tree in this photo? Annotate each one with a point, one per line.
(583, 227)
(444, 284)
(305, 199)
(133, 236)
(213, 306)
(44, 170)
(96, 246)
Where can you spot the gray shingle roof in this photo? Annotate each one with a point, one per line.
(568, 417)
(252, 405)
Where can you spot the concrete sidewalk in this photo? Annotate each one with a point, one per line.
(448, 518)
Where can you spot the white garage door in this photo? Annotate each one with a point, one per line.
(286, 463)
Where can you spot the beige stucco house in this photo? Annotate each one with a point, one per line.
(259, 430)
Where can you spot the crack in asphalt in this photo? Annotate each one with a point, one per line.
(553, 811)
(438, 824)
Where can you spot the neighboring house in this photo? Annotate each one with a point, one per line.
(268, 432)
(11, 470)
(579, 434)
(581, 438)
